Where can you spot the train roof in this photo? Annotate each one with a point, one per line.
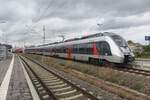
(84, 37)
(98, 35)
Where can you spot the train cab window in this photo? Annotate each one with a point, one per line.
(119, 40)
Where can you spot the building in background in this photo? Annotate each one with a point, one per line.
(135, 47)
(4, 49)
(3, 52)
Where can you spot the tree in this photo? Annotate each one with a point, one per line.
(147, 48)
(130, 42)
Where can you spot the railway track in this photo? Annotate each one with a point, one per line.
(129, 68)
(51, 86)
(134, 70)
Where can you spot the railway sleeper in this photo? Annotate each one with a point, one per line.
(77, 96)
(62, 89)
(51, 81)
(47, 77)
(46, 97)
(64, 93)
(40, 88)
(54, 83)
(54, 78)
(58, 86)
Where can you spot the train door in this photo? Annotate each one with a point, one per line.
(103, 48)
(106, 49)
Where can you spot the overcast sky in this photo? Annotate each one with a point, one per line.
(21, 21)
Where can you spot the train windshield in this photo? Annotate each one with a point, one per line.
(119, 41)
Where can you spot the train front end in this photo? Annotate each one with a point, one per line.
(126, 53)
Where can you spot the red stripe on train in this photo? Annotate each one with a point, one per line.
(95, 51)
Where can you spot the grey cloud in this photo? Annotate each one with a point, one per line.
(79, 9)
(126, 22)
(75, 16)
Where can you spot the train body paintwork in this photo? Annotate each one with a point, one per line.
(97, 47)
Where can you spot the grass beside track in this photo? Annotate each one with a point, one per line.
(138, 83)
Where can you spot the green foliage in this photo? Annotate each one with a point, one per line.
(147, 48)
(138, 86)
(142, 55)
(130, 42)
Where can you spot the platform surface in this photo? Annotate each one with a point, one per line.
(13, 82)
(4, 64)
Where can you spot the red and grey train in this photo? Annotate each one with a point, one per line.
(98, 47)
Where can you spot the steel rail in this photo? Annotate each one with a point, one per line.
(39, 80)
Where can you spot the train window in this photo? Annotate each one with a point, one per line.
(119, 41)
(61, 49)
(89, 48)
(45, 50)
(49, 50)
(75, 48)
(64, 50)
(53, 50)
(82, 48)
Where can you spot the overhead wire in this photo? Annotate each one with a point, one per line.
(45, 10)
(50, 4)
